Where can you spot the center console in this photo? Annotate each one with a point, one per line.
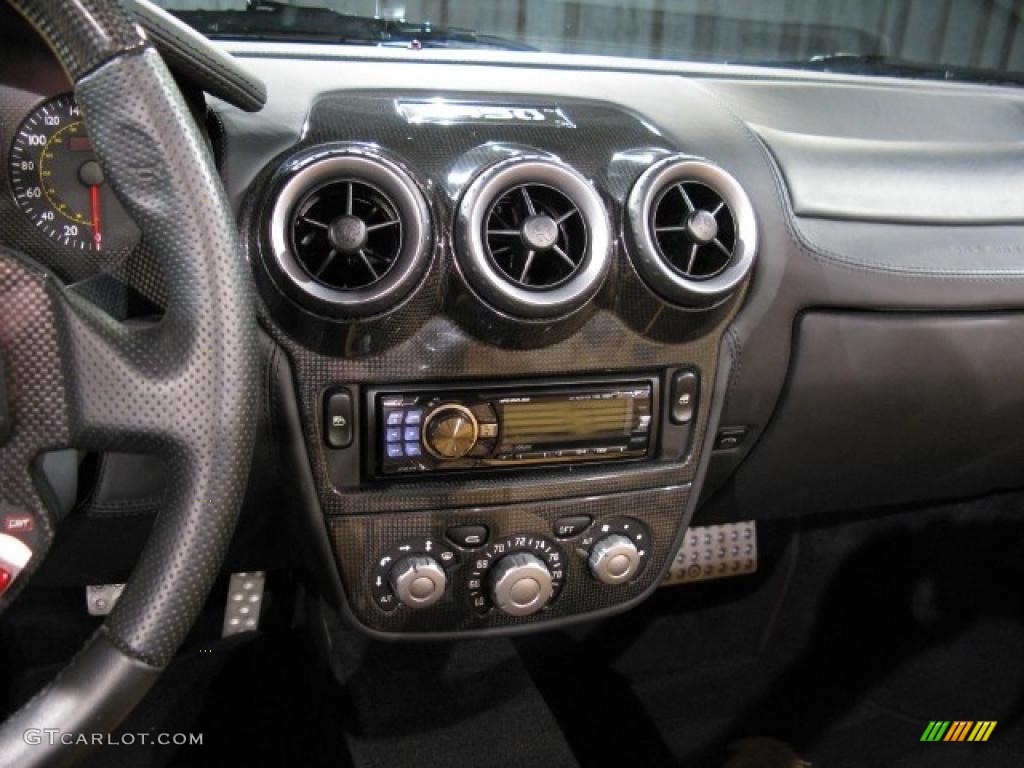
(504, 336)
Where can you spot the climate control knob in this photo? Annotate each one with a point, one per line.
(418, 581)
(614, 559)
(520, 584)
(450, 431)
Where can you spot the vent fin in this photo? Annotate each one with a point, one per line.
(347, 234)
(536, 236)
(694, 230)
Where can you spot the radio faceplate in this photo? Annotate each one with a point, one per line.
(417, 430)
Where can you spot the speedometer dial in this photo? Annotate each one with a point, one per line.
(58, 183)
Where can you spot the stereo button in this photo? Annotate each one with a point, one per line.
(483, 412)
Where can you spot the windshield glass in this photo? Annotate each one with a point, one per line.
(951, 39)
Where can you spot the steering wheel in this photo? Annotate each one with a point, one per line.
(184, 389)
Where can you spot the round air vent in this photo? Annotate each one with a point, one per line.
(349, 233)
(693, 230)
(533, 238)
(536, 236)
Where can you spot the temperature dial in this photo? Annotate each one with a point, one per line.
(450, 431)
(517, 574)
(520, 584)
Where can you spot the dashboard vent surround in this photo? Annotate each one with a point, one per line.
(536, 236)
(693, 231)
(533, 238)
(349, 232)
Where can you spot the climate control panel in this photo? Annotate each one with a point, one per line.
(517, 574)
(433, 573)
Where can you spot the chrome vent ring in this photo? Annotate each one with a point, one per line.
(533, 238)
(349, 232)
(693, 231)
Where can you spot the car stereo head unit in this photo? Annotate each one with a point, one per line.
(429, 430)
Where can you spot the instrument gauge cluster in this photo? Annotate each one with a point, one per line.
(58, 183)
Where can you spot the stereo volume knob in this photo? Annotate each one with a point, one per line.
(614, 559)
(450, 431)
(520, 584)
(418, 581)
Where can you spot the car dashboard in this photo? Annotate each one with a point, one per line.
(527, 319)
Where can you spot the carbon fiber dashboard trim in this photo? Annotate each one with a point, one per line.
(444, 332)
(608, 145)
(358, 541)
(603, 344)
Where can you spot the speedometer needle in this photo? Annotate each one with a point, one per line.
(94, 201)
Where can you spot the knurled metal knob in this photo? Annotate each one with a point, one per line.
(614, 559)
(520, 584)
(418, 581)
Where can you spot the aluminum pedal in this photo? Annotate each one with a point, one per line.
(715, 552)
(245, 598)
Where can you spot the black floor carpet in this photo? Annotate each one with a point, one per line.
(865, 631)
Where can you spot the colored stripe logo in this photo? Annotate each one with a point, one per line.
(958, 730)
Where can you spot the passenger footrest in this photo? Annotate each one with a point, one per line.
(715, 552)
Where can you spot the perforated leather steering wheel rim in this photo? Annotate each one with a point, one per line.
(184, 390)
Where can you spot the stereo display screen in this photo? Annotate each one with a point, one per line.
(559, 420)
